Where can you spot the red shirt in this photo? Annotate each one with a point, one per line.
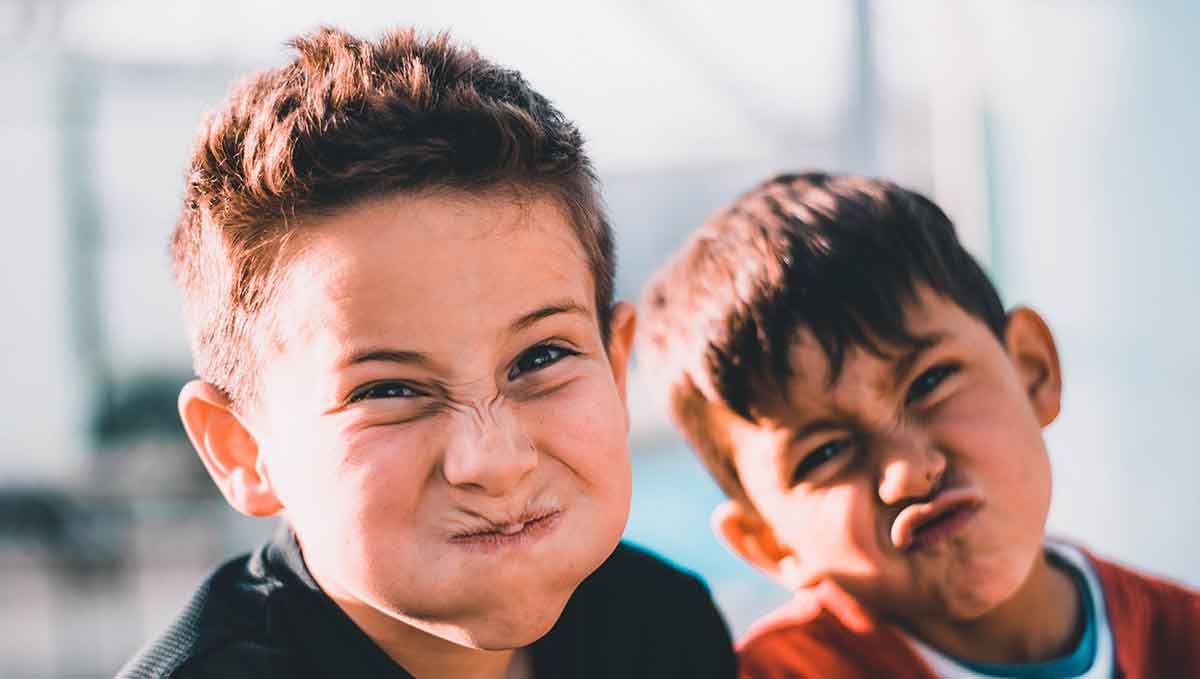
(824, 633)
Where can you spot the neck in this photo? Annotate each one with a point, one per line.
(424, 654)
(1039, 623)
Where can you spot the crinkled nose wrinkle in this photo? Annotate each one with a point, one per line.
(490, 415)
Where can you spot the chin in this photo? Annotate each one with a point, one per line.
(972, 605)
(989, 586)
(514, 613)
(512, 629)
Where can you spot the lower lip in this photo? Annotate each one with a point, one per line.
(944, 527)
(488, 543)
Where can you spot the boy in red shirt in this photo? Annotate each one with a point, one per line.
(849, 376)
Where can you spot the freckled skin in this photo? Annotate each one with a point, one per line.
(377, 486)
(978, 428)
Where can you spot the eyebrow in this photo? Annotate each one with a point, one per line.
(810, 428)
(390, 356)
(566, 306)
(417, 358)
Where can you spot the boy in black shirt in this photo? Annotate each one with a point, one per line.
(398, 284)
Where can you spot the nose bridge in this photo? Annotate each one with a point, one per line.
(909, 465)
(488, 449)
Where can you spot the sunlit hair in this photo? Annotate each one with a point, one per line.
(839, 256)
(346, 121)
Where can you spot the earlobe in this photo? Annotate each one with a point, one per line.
(227, 448)
(746, 533)
(1031, 349)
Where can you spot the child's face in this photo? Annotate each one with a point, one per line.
(441, 422)
(920, 482)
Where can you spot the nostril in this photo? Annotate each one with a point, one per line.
(937, 481)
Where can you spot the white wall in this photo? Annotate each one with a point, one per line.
(40, 431)
(1093, 111)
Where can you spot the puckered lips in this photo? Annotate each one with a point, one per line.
(493, 535)
(945, 515)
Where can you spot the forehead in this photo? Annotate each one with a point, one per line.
(932, 319)
(427, 269)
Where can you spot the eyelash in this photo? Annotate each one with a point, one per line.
(370, 391)
(921, 388)
(819, 457)
(515, 370)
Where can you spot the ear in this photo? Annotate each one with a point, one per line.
(745, 532)
(1031, 349)
(227, 448)
(620, 343)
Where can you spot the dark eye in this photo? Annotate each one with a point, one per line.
(929, 380)
(384, 390)
(537, 358)
(817, 458)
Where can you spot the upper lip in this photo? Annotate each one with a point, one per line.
(502, 525)
(913, 517)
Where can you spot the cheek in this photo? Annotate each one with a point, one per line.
(833, 531)
(995, 432)
(342, 486)
(999, 443)
(846, 518)
(300, 465)
(389, 466)
(582, 427)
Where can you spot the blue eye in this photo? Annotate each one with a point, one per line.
(819, 457)
(537, 358)
(929, 380)
(384, 390)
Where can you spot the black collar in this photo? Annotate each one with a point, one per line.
(318, 627)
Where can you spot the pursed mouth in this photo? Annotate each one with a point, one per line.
(499, 532)
(945, 516)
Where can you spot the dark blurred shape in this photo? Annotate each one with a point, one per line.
(143, 406)
(77, 536)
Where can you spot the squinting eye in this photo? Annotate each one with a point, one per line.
(929, 380)
(384, 390)
(537, 358)
(817, 458)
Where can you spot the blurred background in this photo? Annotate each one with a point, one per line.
(1061, 137)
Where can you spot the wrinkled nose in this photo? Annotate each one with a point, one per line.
(488, 454)
(909, 467)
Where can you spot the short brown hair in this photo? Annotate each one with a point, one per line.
(346, 121)
(837, 255)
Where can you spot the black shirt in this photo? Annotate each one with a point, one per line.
(262, 615)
